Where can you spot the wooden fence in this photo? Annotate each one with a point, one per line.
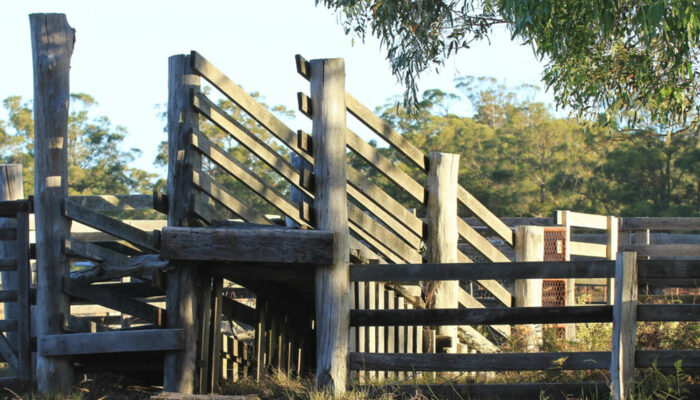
(628, 274)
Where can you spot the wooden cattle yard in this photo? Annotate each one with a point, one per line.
(350, 285)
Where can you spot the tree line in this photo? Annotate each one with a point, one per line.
(516, 155)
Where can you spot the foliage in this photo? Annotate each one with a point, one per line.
(96, 162)
(634, 59)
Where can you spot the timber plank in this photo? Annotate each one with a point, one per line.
(8, 354)
(481, 362)
(8, 234)
(668, 312)
(664, 250)
(377, 245)
(110, 342)
(114, 300)
(485, 215)
(94, 252)
(486, 316)
(660, 223)
(259, 113)
(8, 325)
(668, 269)
(248, 245)
(8, 296)
(386, 132)
(667, 358)
(116, 202)
(482, 271)
(246, 176)
(480, 243)
(10, 208)
(8, 263)
(383, 200)
(227, 199)
(109, 225)
(382, 234)
(385, 166)
(239, 311)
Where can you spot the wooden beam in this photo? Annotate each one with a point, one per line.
(248, 245)
(224, 197)
(479, 243)
(116, 202)
(497, 271)
(588, 249)
(485, 316)
(247, 103)
(664, 250)
(238, 311)
(624, 326)
(114, 227)
(480, 362)
(690, 359)
(114, 300)
(138, 266)
(442, 236)
(485, 215)
(52, 47)
(383, 235)
(668, 312)
(660, 223)
(94, 252)
(330, 207)
(111, 342)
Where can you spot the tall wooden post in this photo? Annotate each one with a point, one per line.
(52, 47)
(564, 218)
(624, 326)
(529, 246)
(11, 188)
(181, 299)
(613, 229)
(331, 211)
(442, 232)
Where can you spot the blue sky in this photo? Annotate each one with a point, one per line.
(122, 48)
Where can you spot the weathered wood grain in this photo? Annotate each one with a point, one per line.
(496, 271)
(661, 223)
(664, 250)
(624, 326)
(11, 189)
(144, 265)
(52, 47)
(114, 300)
(480, 362)
(382, 235)
(485, 215)
(224, 197)
(247, 103)
(110, 342)
(110, 225)
(487, 316)
(668, 312)
(248, 245)
(330, 205)
(116, 202)
(94, 252)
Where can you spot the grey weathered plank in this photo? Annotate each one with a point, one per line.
(109, 225)
(24, 317)
(667, 358)
(485, 316)
(110, 342)
(115, 202)
(382, 234)
(8, 325)
(8, 263)
(668, 312)
(385, 166)
(8, 354)
(390, 221)
(7, 296)
(227, 199)
(53, 41)
(9, 208)
(624, 326)
(114, 300)
(330, 208)
(8, 234)
(94, 252)
(481, 362)
(499, 271)
(75, 324)
(480, 243)
(386, 132)
(664, 250)
(660, 269)
(661, 223)
(383, 200)
(143, 265)
(485, 215)
(246, 176)
(248, 245)
(377, 245)
(247, 103)
(239, 311)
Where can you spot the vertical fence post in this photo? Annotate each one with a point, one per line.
(11, 188)
(624, 326)
(613, 228)
(442, 232)
(529, 246)
(52, 47)
(181, 299)
(563, 218)
(331, 211)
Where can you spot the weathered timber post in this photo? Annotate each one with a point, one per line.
(11, 188)
(181, 298)
(52, 47)
(624, 326)
(331, 211)
(442, 233)
(529, 246)
(613, 227)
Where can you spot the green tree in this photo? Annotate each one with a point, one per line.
(96, 162)
(626, 58)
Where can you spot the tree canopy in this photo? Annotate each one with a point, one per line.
(634, 62)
